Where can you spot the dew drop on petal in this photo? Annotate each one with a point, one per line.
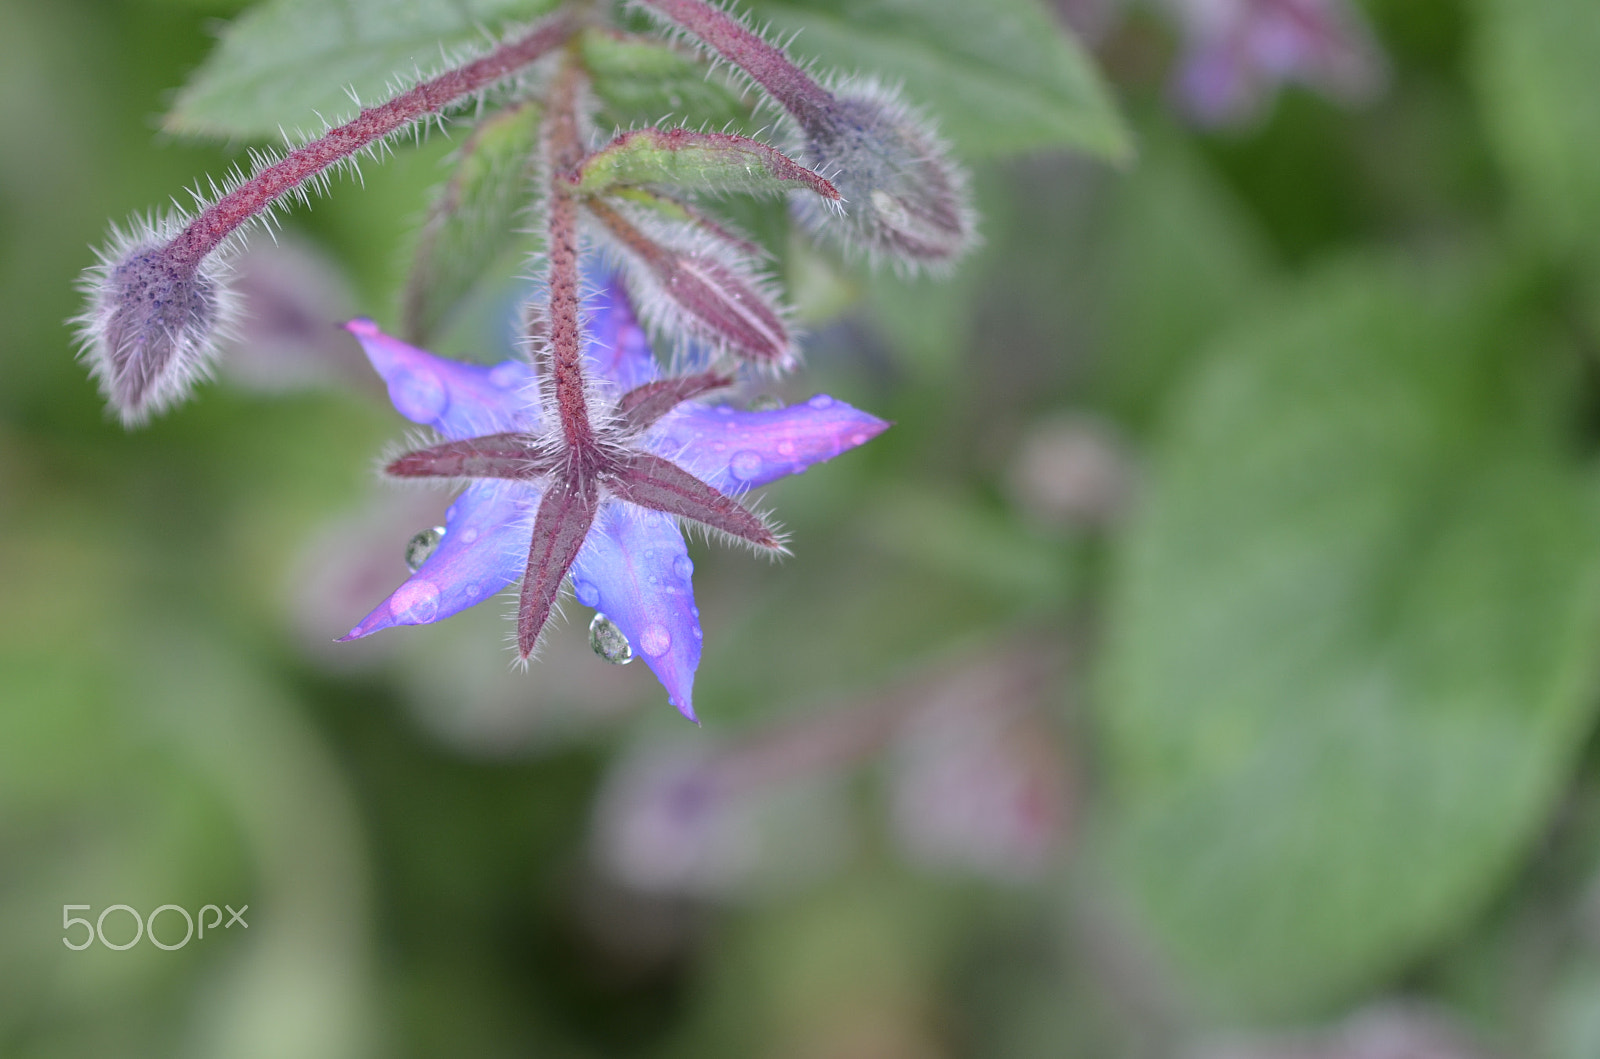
(765, 403)
(469, 534)
(415, 603)
(683, 566)
(418, 394)
(609, 642)
(786, 447)
(421, 546)
(587, 594)
(745, 464)
(859, 439)
(654, 640)
(506, 375)
(821, 400)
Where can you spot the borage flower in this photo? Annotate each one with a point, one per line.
(604, 509)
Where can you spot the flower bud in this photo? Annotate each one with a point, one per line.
(152, 326)
(904, 199)
(688, 282)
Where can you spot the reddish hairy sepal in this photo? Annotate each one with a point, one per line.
(706, 292)
(565, 515)
(652, 482)
(696, 161)
(517, 457)
(643, 405)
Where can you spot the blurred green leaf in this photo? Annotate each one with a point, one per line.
(1001, 77)
(1538, 66)
(1350, 654)
(1181, 259)
(288, 63)
(473, 220)
(639, 81)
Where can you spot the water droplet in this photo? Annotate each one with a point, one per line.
(419, 395)
(765, 403)
(786, 447)
(745, 464)
(654, 640)
(821, 400)
(469, 534)
(415, 603)
(506, 374)
(586, 592)
(472, 590)
(698, 635)
(608, 641)
(421, 546)
(859, 439)
(683, 566)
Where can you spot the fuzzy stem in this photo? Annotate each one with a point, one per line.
(564, 153)
(808, 102)
(218, 221)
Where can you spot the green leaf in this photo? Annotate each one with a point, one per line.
(693, 162)
(287, 63)
(1538, 66)
(1001, 76)
(1178, 259)
(639, 82)
(1352, 642)
(473, 220)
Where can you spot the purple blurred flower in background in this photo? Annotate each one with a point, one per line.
(1238, 52)
(665, 455)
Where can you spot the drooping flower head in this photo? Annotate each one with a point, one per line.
(536, 508)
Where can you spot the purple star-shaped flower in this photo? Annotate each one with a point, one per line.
(590, 482)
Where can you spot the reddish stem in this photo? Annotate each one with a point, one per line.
(564, 153)
(207, 231)
(791, 86)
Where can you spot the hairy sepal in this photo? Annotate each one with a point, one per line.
(652, 482)
(565, 514)
(713, 162)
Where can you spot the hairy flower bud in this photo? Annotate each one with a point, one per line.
(904, 199)
(690, 282)
(153, 324)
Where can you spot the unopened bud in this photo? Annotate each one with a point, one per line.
(904, 199)
(687, 282)
(152, 326)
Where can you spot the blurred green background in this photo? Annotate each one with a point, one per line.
(1205, 665)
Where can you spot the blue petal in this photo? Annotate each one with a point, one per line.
(457, 399)
(618, 350)
(735, 450)
(635, 570)
(485, 548)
